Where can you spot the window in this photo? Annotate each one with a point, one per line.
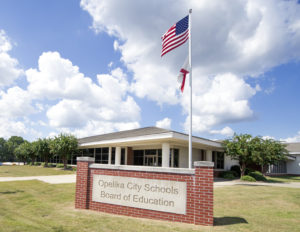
(87, 152)
(218, 159)
(138, 157)
(149, 157)
(174, 158)
(101, 155)
(159, 157)
(202, 155)
(123, 156)
(113, 155)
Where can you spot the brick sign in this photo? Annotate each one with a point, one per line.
(173, 194)
(159, 195)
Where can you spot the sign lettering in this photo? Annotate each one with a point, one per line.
(160, 195)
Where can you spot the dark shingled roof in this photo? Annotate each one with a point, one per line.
(124, 134)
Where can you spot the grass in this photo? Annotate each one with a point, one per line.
(37, 206)
(16, 171)
(281, 179)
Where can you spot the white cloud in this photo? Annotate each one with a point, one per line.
(9, 128)
(95, 127)
(14, 103)
(57, 78)
(9, 70)
(231, 39)
(226, 131)
(84, 107)
(116, 45)
(222, 99)
(293, 139)
(268, 137)
(164, 123)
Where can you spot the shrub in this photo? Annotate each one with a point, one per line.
(237, 169)
(248, 170)
(258, 176)
(248, 178)
(49, 165)
(37, 163)
(228, 174)
(60, 165)
(74, 169)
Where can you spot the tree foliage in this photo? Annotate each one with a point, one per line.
(64, 145)
(25, 151)
(3, 150)
(42, 148)
(12, 143)
(240, 148)
(247, 149)
(269, 152)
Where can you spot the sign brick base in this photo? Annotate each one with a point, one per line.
(198, 195)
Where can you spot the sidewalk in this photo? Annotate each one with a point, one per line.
(56, 179)
(220, 183)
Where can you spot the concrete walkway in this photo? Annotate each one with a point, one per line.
(220, 183)
(56, 179)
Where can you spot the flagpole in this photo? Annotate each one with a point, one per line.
(190, 63)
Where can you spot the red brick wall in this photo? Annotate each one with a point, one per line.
(204, 202)
(82, 185)
(199, 208)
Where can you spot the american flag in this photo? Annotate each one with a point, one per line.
(177, 35)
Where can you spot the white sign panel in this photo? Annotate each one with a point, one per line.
(160, 195)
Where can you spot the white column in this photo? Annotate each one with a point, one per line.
(118, 156)
(165, 155)
(126, 152)
(109, 155)
(208, 155)
(172, 158)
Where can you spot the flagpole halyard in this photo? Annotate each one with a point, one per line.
(191, 113)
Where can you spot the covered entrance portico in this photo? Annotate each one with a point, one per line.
(164, 149)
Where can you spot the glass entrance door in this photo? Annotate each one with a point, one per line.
(150, 160)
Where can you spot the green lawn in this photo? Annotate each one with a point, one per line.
(283, 179)
(37, 206)
(14, 171)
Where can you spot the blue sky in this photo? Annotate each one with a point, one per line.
(93, 66)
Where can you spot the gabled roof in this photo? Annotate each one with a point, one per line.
(293, 148)
(124, 134)
(142, 134)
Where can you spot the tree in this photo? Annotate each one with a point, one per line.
(42, 147)
(12, 143)
(269, 152)
(25, 151)
(64, 145)
(248, 150)
(3, 150)
(240, 148)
